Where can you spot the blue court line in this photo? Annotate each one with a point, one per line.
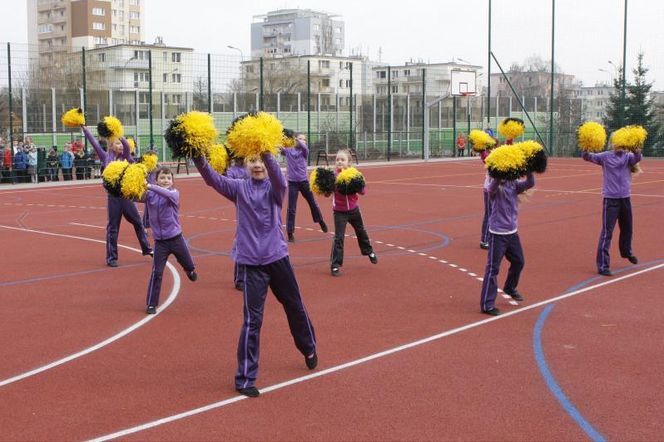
(65, 275)
(553, 385)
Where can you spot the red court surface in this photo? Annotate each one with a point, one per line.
(405, 353)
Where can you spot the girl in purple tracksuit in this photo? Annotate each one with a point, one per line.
(616, 190)
(347, 210)
(260, 247)
(163, 202)
(239, 172)
(118, 206)
(503, 240)
(298, 182)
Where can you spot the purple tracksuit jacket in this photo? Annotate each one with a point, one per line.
(296, 161)
(617, 176)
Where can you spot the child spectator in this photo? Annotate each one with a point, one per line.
(20, 164)
(32, 164)
(52, 163)
(347, 210)
(67, 162)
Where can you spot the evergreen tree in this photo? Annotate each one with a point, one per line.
(640, 109)
(611, 119)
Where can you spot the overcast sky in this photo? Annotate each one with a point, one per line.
(588, 32)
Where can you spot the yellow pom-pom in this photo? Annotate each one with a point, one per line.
(218, 158)
(591, 137)
(113, 171)
(132, 145)
(529, 147)
(313, 184)
(110, 128)
(630, 137)
(288, 142)
(347, 175)
(149, 161)
(133, 181)
(506, 162)
(255, 135)
(481, 140)
(199, 130)
(73, 118)
(511, 128)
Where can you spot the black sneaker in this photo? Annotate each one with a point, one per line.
(633, 259)
(516, 296)
(113, 263)
(311, 362)
(192, 276)
(151, 310)
(239, 287)
(249, 392)
(484, 245)
(148, 252)
(335, 271)
(323, 226)
(493, 312)
(373, 258)
(291, 238)
(606, 272)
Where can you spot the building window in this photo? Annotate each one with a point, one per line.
(115, 27)
(134, 15)
(43, 29)
(249, 69)
(99, 11)
(165, 78)
(176, 57)
(381, 74)
(347, 83)
(406, 72)
(165, 56)
(101, 57)
(98, 26)
(115, 12)
(341, 83)
(135, 2)
(325, 82)
(337, 29)
(134, 29)
(323, 64)
(121, 14)
(143, 77)
(176, 99)
(395, 89)
(395, 74)
(122, 29)
(177, 78)
(337, 41)
(316, 27)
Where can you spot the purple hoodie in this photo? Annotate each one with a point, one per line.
(104, 157)
(617, 176)
(504, 195)
(259, 238)
(164, 207)
(296, 161)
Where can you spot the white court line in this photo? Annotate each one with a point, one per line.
(125, 332)
(365, 359)
(87, 225)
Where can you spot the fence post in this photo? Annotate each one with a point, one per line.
(260, 101)
(424, 106)
(297, 115)
(210, 103)
(84, 92)
(309, 104)
(454, 119)
(389, 112)
(150, 98)
(350, 134)
(163, 125)
(24, 111)
(137, 111)
(11, 107)
(54, 123)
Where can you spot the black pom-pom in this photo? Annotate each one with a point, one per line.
(325, 181)
(103, 130)
(355, 185)
(175, 139)
(537, 163)
(116, 188)
(516, 120)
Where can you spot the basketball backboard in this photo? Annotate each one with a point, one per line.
(463, 82)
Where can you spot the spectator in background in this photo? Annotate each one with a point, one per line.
(32, 163)
(461, 144)
(7, 164)
(67, 162)
(80, 162)
(2, 155)
(20, 164)
(52, 163)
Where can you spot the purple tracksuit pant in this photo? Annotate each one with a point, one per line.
(279, 276)
(508, 246)
(163, 248)
(485, 221)
(294, 189)
(615, 209)
(117, 207)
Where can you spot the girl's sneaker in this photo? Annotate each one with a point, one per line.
(373, 258)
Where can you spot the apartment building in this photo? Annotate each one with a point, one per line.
(407, 78)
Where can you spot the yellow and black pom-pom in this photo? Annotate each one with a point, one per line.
(511, 128)
(255, 134)
(73, 118)
(149, 160)
(132, 145)
(350, 181)
(321, 181)
(506, 163)
(536, 160)
(289, 139)
(112, 177)
(133, 181)
(217, 156)
(190, 135)
(110, 128)
(481, 140)
(591, 137)
(631, 138)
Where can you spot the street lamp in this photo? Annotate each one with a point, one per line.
(613, 78)
(465, 61)
(237, 49)
(615, 68)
